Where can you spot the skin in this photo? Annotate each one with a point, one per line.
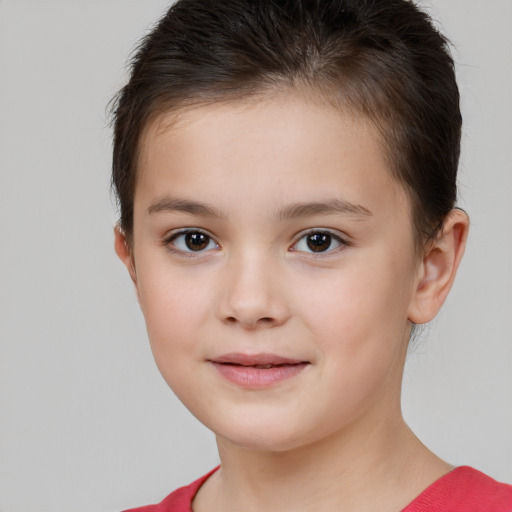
(331, 437)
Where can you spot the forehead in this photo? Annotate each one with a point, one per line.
(279, 149)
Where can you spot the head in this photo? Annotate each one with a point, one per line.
(286, 178)
(381, 60)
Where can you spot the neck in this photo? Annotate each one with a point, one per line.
(380, 467)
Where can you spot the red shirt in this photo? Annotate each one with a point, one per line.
(462, 490)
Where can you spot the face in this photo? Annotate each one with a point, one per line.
(274, 262)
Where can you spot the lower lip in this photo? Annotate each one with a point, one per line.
(252, 377)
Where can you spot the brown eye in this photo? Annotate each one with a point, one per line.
(319, 242)
(191, 241)
(197, 241)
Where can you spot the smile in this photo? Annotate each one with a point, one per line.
(257, 371)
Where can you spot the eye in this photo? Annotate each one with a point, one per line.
(191, 241)
(319, 242)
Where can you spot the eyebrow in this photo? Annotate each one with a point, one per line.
(169, 204)
(307, 209)
(329, 207)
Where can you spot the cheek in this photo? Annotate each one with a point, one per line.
(360, 328)
(171, 312)
(174, 306)
(360, 313)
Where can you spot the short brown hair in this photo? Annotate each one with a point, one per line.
(382, 59)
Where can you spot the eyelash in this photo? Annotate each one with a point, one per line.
(342, 243)
(170, 240)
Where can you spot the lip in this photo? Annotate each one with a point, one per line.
(257, 370)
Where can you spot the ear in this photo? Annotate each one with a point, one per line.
(438, 268)
(123, 250)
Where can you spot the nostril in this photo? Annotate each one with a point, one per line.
(266, 320)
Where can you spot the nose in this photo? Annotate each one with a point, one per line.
(253, 295)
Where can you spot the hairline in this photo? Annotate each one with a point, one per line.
(169, 114)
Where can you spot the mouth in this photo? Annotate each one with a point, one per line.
(257, 371)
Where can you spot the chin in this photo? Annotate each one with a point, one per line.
(267, 444)
(271, 438)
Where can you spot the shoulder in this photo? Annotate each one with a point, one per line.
(179, 500)
(461, 490)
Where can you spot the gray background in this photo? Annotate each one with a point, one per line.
(87, 423)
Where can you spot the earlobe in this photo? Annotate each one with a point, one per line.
(439, 267)
(124, 252)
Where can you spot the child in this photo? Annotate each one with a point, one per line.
(286, 174)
